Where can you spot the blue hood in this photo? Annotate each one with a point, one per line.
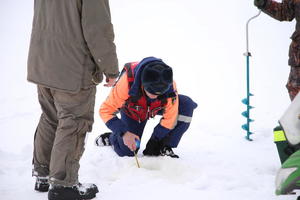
(134, 90)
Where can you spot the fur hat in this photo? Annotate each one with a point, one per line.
(157, 77)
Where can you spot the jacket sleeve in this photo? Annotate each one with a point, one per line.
(169, 119)
(99, 35)
(284, 11)
(110, 107)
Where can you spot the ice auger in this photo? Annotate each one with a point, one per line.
(246, 100)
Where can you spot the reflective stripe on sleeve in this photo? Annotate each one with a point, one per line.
(185, 119)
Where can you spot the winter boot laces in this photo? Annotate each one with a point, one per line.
(167, 151)
(77, 192)
(103, 139)
(41, 184)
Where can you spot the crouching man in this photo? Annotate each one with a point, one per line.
(144, 90)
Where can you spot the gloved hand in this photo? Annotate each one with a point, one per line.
(260, 3)
(153, 147)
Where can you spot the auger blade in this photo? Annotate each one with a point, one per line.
(245, 114)
(245, 127)
(245, 101)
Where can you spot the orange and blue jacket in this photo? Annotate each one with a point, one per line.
(129, 97)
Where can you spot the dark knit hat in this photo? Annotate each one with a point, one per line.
(157, 77)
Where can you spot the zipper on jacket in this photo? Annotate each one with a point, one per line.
(155, 109)
(138, 107)
(137, 116)
(148, 112)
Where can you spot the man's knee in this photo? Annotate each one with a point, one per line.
(186, 105)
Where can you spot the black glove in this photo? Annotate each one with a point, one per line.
(260, 3)
(153, 147)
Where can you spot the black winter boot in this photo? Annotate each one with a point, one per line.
(77, 192)
(167, 151)
(103, 139)
(41, 184)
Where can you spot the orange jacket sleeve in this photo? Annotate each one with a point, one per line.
(116, 98)
(170, 115)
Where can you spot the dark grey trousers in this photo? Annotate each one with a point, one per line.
(60, 135)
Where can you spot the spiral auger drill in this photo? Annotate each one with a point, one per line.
(246, 100)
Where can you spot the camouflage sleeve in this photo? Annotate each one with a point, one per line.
(281, 11)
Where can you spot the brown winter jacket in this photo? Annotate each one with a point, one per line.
(287, 11)
(72, 44)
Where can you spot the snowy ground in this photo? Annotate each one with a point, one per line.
(203, 41)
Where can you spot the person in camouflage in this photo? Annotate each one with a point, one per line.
(287, 10)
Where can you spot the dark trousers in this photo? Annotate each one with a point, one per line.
(186, 108)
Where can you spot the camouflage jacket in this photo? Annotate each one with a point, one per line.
(287, 11)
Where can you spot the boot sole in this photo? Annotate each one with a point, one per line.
(57, 196)
(41, 187)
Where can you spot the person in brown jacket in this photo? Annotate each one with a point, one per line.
(287, 10)
(71, 48)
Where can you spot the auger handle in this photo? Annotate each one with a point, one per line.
(247, 33)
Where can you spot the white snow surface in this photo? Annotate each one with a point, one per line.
(204, 42)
